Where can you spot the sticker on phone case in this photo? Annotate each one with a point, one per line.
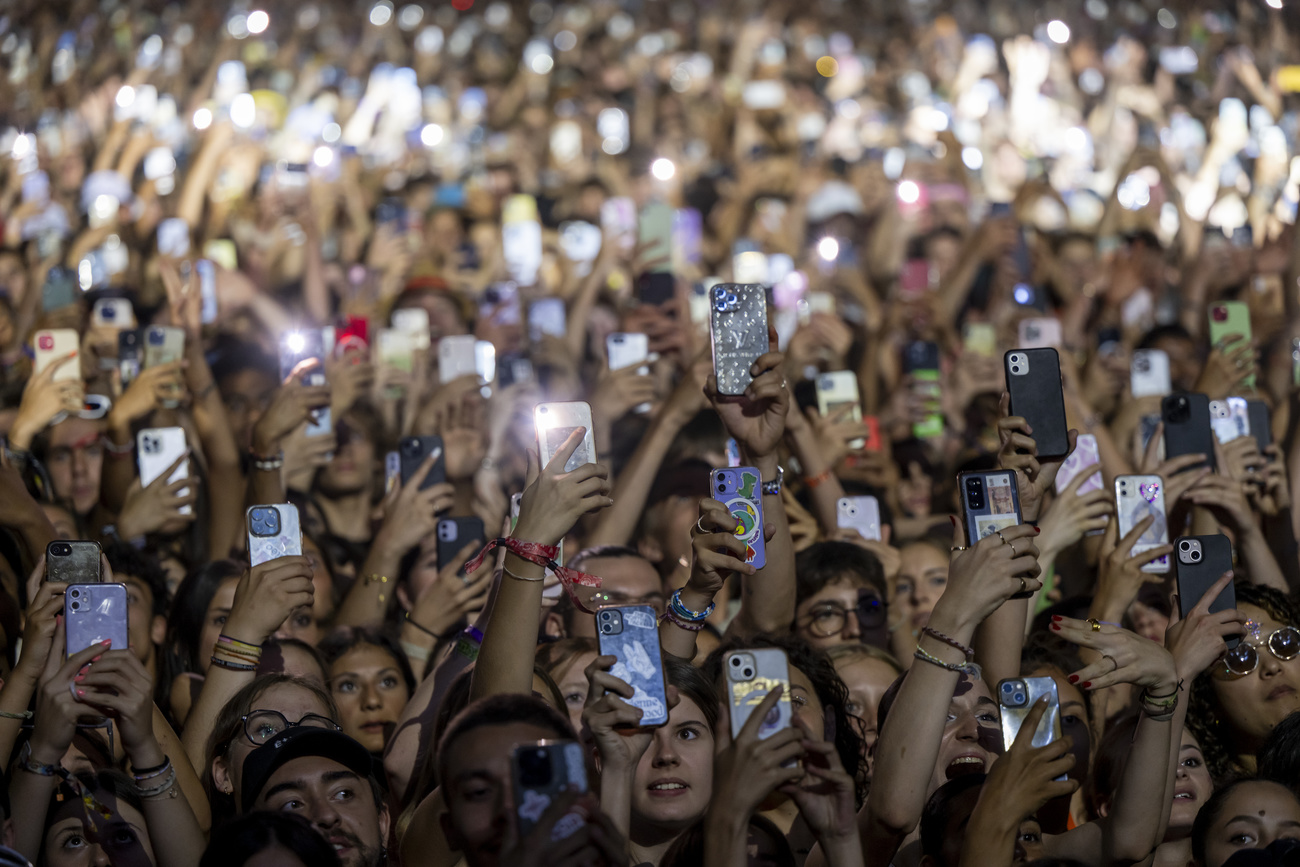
(534, 805)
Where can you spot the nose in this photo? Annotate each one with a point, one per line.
(322, 814)
(79, 467)
(852, 627)
(1269, 665)
(665, 751)
(99, 857)
(370, 697)
(967, 728)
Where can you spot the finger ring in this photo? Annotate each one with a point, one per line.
(72, 688)
(1023, 584)
(1094, 623)
(1112, 659)
(699, 526)
(1014, 553)
(1003, 538)
(955, 548)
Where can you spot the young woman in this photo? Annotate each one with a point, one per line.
(566, 662)
(867, 671)
(370, 681)
(1247, 813)
(198, 615)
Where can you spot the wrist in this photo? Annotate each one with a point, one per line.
(46, 754)
(767, 466)
(264, 446)
(955, 624)
(694, 597)
(250, 633)
(20, 437)
(146, 754)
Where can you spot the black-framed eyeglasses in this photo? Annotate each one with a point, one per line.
(1283, 643)
(262, 725)
(829, 618)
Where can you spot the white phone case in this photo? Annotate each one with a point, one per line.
(456, 357)
(626, 349)
(1149, 373)
(835, 389)
(268, 542)
(54, 344)
(861, 514)
(157, 448)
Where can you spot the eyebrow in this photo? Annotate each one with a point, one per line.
(327, 777)
(986, 700)
(391, 669)
(692, 722)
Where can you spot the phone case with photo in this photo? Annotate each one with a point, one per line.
(1085, 454)
(157, 449)
(738, 325)
(861, 514)
(1149, 373)
(1136, 498)
(740, 490)
(921, 361)
(539, 773)
(631, 633)
(1034, 384)
(1228, 419)
(554, 422)
(94, 613)
(1186, 417)
(990, 501)
(273, 531)
(836, 389)
(69, 561)
(750, 676)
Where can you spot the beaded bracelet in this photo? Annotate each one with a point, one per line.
(688, 625)
(951, 642)
(265, 464)
(145, 773)
(232, 666)
(970, 669)
(676, 607)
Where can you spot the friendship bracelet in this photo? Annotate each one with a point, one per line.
(675, 605)
(232, 666)
(226, 639)
(146, 773)
(970, 669)
(1178, 687)
(951, 642)
(267, 465)
(31, 766)
(426, 630)
(541, 555)
(679, 623)
(9, 714)
(821, 478)
(162, 787)
(414, 651)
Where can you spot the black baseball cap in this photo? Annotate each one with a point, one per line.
(297, 742)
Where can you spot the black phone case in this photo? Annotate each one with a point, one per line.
(920, 355)
(467, 530)
(1196, 578)
(1260, 423)
(412, 451)
(1186, 417)
(1036, 397)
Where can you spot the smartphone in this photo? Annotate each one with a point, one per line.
(749, 266)
(397, 352)
(1017, 697)
(1085, 454)
(1149, 373)
(1288, 79)
(627, 349)
(738, 326)
(1186, 417)
(861, 514)
(412, 452)
(72, 562)
(980, 338)
(835, 390)
(1259, 423)
(990, 501)
(207, 272)
(54, 344)
(539, 773)
(157, 448)
(222, 251)
(921, 361)
(618, 221)
(353, 335)
(656, 288)
(688, 233)
(1039, 333)
(1034, 383)
(392, 470)
(514, 368)
(1138, 497)
(128, 354)
(521, 238)
(94, 613)
(164, 345)
(392, 210)
(631, 633)
(174, 238)
(751, 675)
(273, 531)
(740, 490)
(554, 422)
(763, 94)
(112, 313)
(1202, 560)
(453, 534)
(547, 317)
(413, 321)
(456, 357)
(1228, 419)
(655, 236)
(1231, 319)
(59, 289)
(307, 345)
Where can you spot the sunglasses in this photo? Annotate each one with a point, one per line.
(1283, 643)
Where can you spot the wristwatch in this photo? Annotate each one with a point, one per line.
(774, 487)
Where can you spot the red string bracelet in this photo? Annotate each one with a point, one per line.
(544, 556)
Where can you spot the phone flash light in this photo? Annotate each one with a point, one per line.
(909, 193)
(663, 169)
(203, 118)
(828, 249)
(295, 342)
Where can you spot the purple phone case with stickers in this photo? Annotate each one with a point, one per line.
(740, 490)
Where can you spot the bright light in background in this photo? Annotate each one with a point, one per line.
(431, 135)
(828, 66)
(1058, 31)
(381, 13)
(331, 132)
(909, 193)
(125, 96)
(663, 169)
(1276, 4)
(238, 26)
(973, 157)
(295, 342)
(828, 249)
(542, 64)
(243, 111)
(22, 146)
(410, 17)
(323, 156)
(203, 118)
(258, 21)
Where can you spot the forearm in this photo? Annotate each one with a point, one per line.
(726, 839)
(190, 784)
(219, 686)
(315, 292)
(30, 796)
(767, 597)
(843, 851)
(174, 830)
(1280, 532)
(990, 837)
(15, 696)
(825, 495)
(36, 532)
(616, 796)
(999, 640)
(1142, 801)
(505, 660)
(1261, 565)
(371, 593)
(618, 522)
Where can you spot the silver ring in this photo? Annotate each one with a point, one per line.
(1112, 659)
(1014, 554)
(699, 526)
(72, 688)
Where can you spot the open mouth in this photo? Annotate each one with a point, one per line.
(667, 788)
(963, 765)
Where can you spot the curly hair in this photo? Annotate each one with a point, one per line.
(1205, 717)
(817, 666)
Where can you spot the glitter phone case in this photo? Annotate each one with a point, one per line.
(751, 675)
(738, 325)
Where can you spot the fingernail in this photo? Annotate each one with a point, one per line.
(1056, 618)
(80, 677)
(81, 693)
(953, 518)
(1037, 530)
(1087, 684)
(1074, 678)
(98, 658)
(107, 642)
(1056, 626)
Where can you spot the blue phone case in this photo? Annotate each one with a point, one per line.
(631, 632)
(740, 490)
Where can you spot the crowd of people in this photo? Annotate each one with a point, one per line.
(286, 289)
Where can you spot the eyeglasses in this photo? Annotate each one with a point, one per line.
(262, 725)
(1283, 643)
(829, 618)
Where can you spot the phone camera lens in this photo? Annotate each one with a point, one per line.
(75, 606)
(1184, 546)
(1196, 556)
(1020, 698)
(749, 672)
(735, 662)
(721, 487)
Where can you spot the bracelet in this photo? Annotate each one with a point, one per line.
(544, 556)
(468, 643)
(773, 488)
(676, 607)
(157, 790)
(515, 575)
(232, 666)
(414, 651)
(242, 645)
(117, 451)
(31, 766)
(157, 770)
(9, 714)
(1178, 687)
(426, 630)
(690, 626)
(376, 578)
(970, 669)
(821, 478)
(267, 465)
(951, 642)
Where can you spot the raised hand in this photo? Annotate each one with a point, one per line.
(1033, 478)
(266, 595)
(157, 508)
(43, 401)
(756, 419)
(1126, 657)
(1200, 639)
(555, 500)
(1070, 515)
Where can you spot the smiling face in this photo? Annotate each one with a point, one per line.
(369, 689)
(1254, 703)
(1252, 816)
(674, 780)
(972, 737)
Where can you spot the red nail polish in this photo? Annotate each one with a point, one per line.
(1074, 678)
(1037, 530)
(1056, 618)
(953, 518)
(79, 678)
(1056, 626)
(81, 693)
(1087, 684)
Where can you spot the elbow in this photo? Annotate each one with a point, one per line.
(891, 821)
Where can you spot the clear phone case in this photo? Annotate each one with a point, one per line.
(273, 532)
(95, 613)
(1137, 497)
(751, 675)
(861, 514)
(554, 422)
(157, 448)
(1017, 697)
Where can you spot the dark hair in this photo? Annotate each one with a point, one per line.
(831, 692)
(560, 654)
(1205, 717)
(825, 563)
(565, 608)
(688, 849)
(694, 684)
(126, 559)
(271, 646)
(109, 781)
(499, 710)
(232, 356)
(1213, 808)
(1279, 759)
(1164, 332)
(180, 650)
(938, 812)
(254, 833)
(347, 638)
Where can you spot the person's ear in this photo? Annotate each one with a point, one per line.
(404, 598)
(221, 776)
(384, 821)
(553, 625)
(1103, 809)
(158, 629)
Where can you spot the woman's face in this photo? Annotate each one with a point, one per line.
(915, 491)
(424, 573)
(674, 780)
(290, 700)
(369, 689)
(922, 575)
(867, 679)
(1148, 622)
(972, 737)
(121, 840)
(308, 623)
(352, 468)
(1254, 703)
(1253, 816)
(573, 686)
(215, 620)
(1192, 785)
